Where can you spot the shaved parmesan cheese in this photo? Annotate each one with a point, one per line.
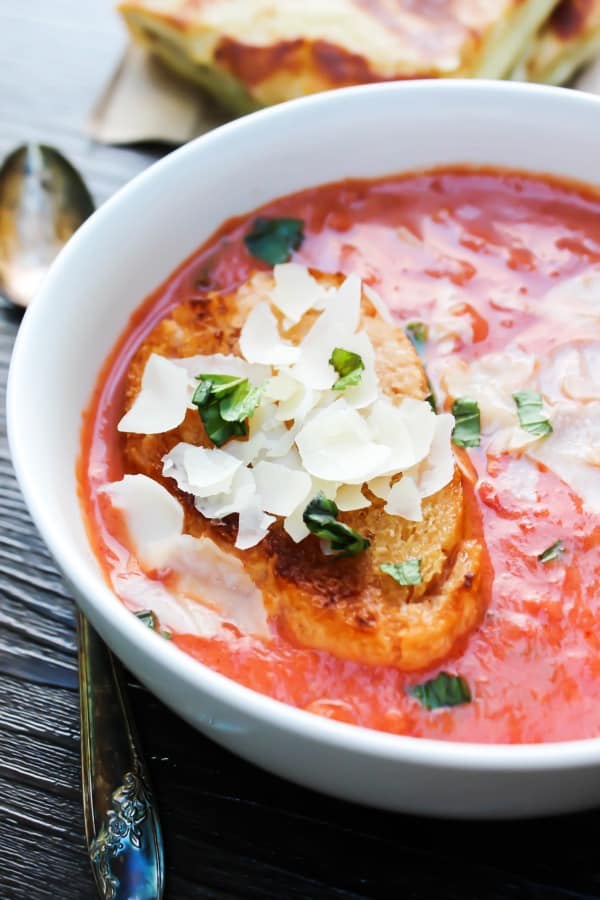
(174, 612)
(367, 390)
(572, 450)
(322, 486)
(576, 299)
(152, 515)
(162, 401)
(295, 291)
(509, 440)
(260, 341)
(253, 525)
(294, 525)
(407, 430)
(200, 470)
(212, 576)
(298, 405)
(200, 571)
(350, 496)
(248, 451)
(380, 486)
(336, 445)
(572, 373)
(313, 369)
(491, 380)
(334, 328)
(280, 488)
(437, 470)
(281, 387)
(281, 444)
(405, 500)
(241, 494)
(347, 303)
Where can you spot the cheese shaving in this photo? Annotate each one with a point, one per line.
(404, 500)
(201, 573)
(260, 341)
(336, 443)
(162, 401)
(295, 291)
(200, 471)
(280, 488)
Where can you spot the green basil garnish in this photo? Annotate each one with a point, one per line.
(553, 552)
(467, 428)
(320, 517)
(225, 402)
(147, 617)
(349, 366)
(239, 403)
(531, 417)
(443, 690)
(273, 240)
(407, 572)
(418, 333)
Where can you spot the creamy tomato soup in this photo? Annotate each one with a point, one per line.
(496, 278)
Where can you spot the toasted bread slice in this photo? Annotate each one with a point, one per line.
(345, 605)
(251, 53)
(569, 40)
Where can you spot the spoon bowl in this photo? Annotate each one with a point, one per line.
(43, 201)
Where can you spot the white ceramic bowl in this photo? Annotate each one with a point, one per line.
(129, 247)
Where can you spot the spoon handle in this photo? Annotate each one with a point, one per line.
(121, 821)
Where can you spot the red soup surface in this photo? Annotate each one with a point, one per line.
(533, 665)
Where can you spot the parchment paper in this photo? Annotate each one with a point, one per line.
(144, 101)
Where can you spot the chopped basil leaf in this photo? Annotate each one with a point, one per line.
(147, 617)
(221, 384)
(168, 635)
(443, 690)
(225, 402)
(418, 333)
(531, 416)
(273, 240)
(467, 427)
(407, 572)
(320, 518)
(553, 552)
(240, 403)
(349, 367)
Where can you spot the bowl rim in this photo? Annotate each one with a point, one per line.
(105, 606)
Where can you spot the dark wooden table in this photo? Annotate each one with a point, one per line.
(231, 830)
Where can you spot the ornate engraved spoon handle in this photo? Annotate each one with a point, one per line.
(121, 822)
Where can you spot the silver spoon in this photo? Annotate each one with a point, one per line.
(43, 200)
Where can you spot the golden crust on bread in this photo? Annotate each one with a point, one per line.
(344, 605)
(568, 41)
(251, 53)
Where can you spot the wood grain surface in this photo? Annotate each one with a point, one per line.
(231, 830)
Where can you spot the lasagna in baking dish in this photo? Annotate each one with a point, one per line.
(569, 40)
(252, 53)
